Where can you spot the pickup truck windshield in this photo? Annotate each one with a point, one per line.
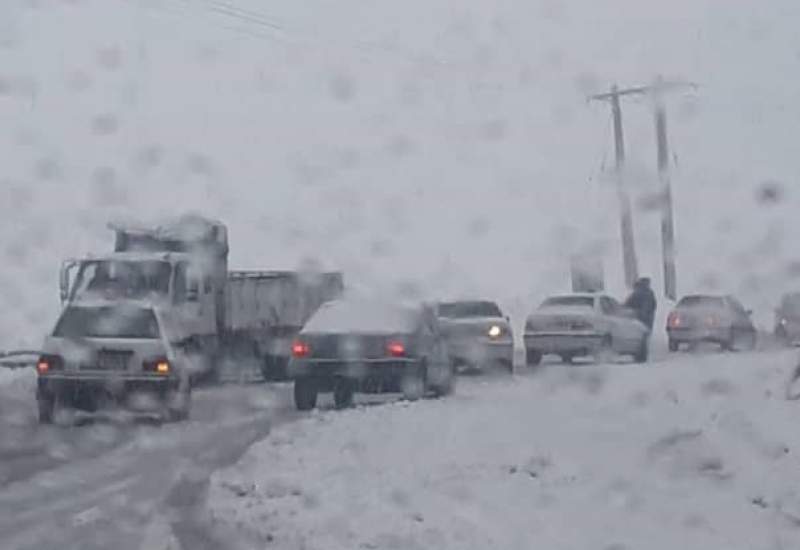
(123, 278)
(107, 322)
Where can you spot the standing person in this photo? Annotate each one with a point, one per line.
(643, 301)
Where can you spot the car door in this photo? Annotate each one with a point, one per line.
(611, 322)
(627, 332)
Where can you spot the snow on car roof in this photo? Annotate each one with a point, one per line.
(362, 316)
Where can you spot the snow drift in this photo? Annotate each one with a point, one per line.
(699, 454)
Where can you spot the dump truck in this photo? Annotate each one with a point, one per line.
(162, 312)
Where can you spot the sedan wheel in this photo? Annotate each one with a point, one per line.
(305, 394)
(642, 354)
(674, 346)
(413, 386)
(343, 394)
(533, 357)
(743, 341)
(605, 354)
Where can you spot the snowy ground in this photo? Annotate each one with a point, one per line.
(697, 452)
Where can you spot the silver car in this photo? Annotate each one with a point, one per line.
(478, 335)
(576, 325)
(103, 354)
(711, 318)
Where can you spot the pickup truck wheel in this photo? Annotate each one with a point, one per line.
(533, 357)
(343, 394)
(305, 394)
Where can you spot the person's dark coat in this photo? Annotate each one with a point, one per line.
(643, 302)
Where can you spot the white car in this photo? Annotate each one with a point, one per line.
(576, 325)
(116, 354)
(478, 335)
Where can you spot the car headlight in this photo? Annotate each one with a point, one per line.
(495, 331)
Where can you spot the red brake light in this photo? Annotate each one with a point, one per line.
(674, 320)
(300, 349)
(49, 363)
(396, 349)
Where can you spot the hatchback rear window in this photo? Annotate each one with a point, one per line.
(107, 322)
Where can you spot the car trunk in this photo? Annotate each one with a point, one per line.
(352, 346)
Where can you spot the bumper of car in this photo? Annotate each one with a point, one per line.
(383, 369)
(574, 342)
(699, 334)
(479, 353)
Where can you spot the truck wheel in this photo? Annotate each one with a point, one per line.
(305, 394)
(343, 394)
(533, 357)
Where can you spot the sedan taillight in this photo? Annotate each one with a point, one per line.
(396, 349)
(300, 349)
(48, 363)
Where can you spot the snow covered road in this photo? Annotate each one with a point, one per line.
(107, 485)
(700, 451)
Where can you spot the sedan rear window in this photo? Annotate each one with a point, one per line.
(458, 310)
(107, 322)
(365, 317)
(569, 301)
(701, 301)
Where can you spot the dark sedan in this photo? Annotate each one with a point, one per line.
(367, 346)
(722, 320)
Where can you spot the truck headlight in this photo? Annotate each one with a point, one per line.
(495, 331)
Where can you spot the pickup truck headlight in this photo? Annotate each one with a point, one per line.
(495, 331)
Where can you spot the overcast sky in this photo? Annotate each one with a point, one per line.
(435, 143)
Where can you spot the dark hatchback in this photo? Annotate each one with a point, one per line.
(351, 346)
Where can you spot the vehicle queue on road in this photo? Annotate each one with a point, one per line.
(351, 345)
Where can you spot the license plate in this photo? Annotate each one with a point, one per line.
(109, 360)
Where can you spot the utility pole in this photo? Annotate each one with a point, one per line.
(667, 220)
(629, 259)
(657, 90)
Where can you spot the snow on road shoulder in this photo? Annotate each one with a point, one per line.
(698, 453)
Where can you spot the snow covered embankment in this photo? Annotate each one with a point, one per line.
(697, 453)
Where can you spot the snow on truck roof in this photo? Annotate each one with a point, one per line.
(362, 316)
(186, 228)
